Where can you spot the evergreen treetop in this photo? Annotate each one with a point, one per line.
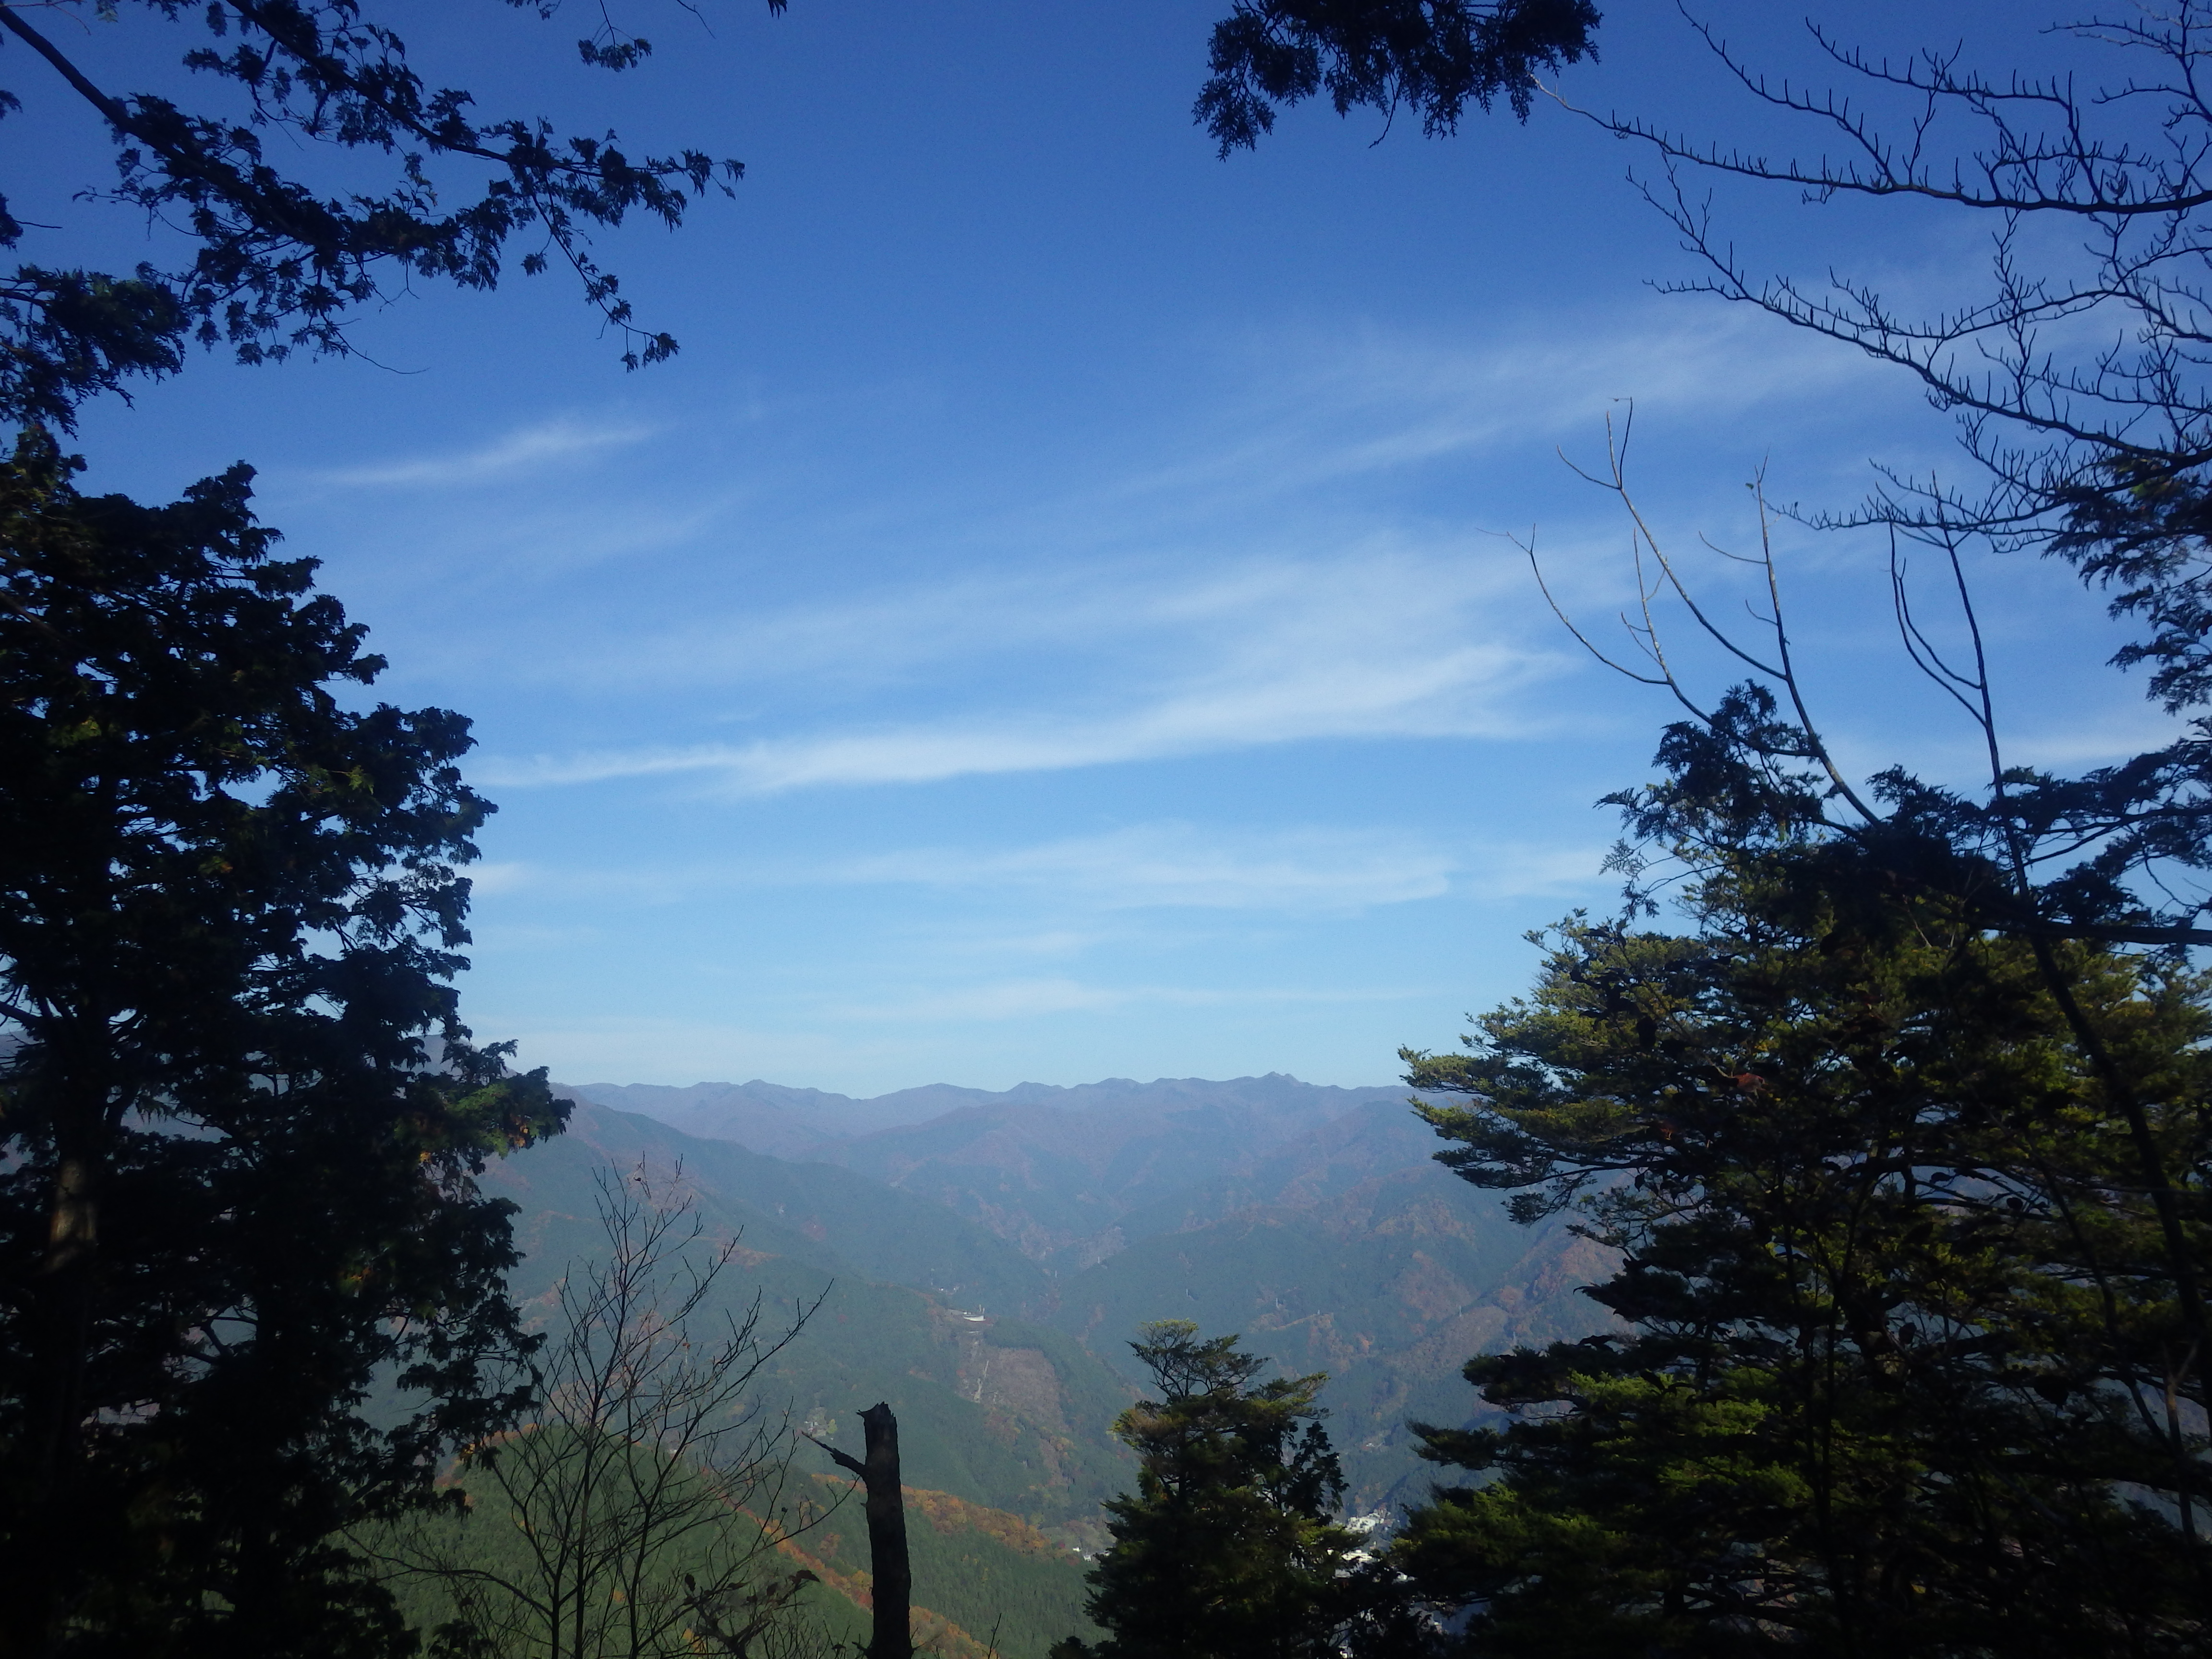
(1228, 1547)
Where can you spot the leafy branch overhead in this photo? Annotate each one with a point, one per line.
(283, 262)
(1429, 55)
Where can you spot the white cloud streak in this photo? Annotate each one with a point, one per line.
(1226, 599)
(1026, 999)
(1380, 402)
(1168, 865)
(1179, 866)
(1047, 676)
(1426, 699)
(1171, 865)
(528, 449)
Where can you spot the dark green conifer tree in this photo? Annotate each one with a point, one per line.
(1227, 1549)
(236, 1192)
(1902, 1369)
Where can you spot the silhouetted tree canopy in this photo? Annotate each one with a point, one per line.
(237, 1185)
(287, 250)
(1430, 57)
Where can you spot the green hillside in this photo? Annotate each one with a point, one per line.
(1004, 1424)
(982, 1579)
(1389, 1285)
(984, 1582)
(995, 1412)
(835, 1217)
(1342, 1247)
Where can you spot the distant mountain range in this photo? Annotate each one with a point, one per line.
(770, 1118)
(982, 1259)
(1063, 1142)
(1312, 1219)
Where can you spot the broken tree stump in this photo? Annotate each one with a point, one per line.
(891, 1590)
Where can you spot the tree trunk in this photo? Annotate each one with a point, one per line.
(59, 1300)
(892, 1591)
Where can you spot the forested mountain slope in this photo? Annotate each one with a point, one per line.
(988, 1585)
(993, 1411)
(1313, 1220)
(1004, 1424)
(1389, 1285)
(816, 1213)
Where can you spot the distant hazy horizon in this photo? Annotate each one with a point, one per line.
(944, 1083)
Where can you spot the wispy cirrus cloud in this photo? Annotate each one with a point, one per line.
(1333, 409)
(1182, 865)
(1423, 700)
(1022, 999)
(1039, 675)
(1159, 865)
(1177, 865)
(521, 451)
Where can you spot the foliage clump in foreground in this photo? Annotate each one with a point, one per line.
(235, 1191)
(1904, 1370)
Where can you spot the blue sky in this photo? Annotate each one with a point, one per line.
(1053, 621)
